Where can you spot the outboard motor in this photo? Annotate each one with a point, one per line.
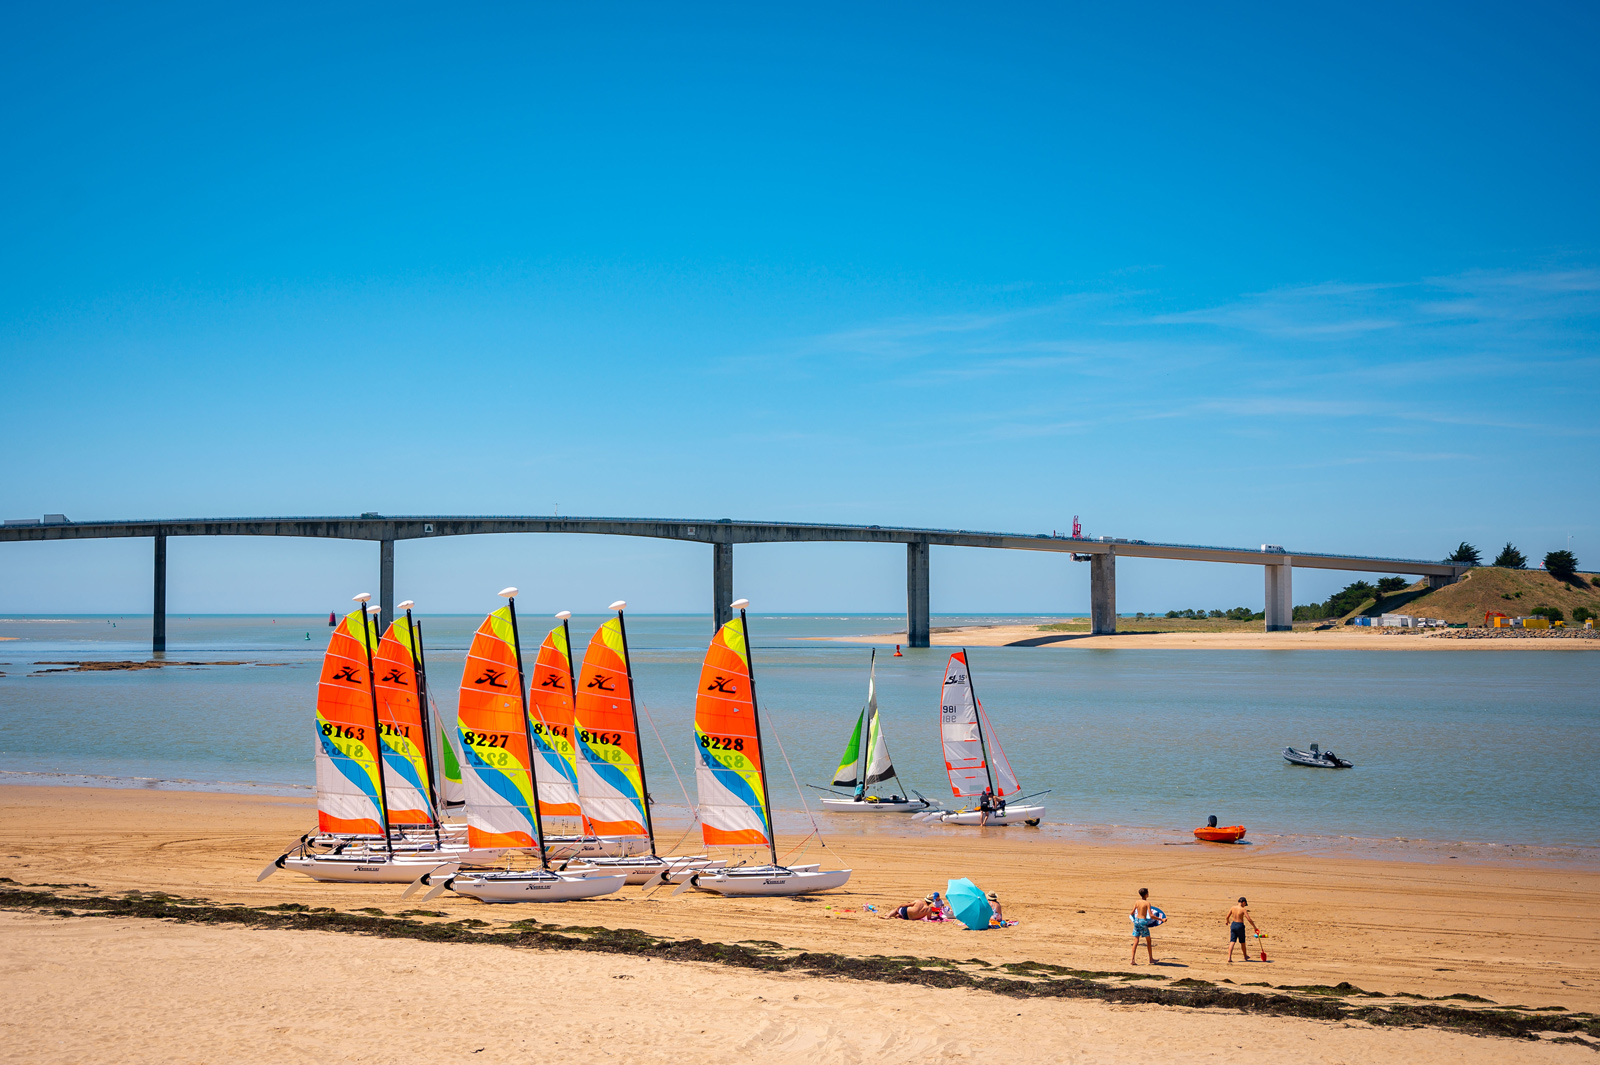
(1211, 822)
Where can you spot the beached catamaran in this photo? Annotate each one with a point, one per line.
(866, 762)
(973, 756)
(609, 762)
(502, 807)
(414, 782)
(560, 752)
(730, 773)
(353, 800)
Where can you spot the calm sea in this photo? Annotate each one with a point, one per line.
(1489, 747)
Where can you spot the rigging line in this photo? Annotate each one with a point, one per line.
(798, 790)
(694, 811)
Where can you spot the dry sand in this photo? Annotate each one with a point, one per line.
(140, 990)
(1341, 639)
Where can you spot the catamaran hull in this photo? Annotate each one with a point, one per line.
(851, 806)
(641, 869)
(554, 888)
(1014, 815)
(339, 869)
(769, 883)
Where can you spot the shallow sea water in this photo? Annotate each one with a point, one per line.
(1488, 747)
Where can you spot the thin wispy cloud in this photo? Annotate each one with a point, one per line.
(1479, 350)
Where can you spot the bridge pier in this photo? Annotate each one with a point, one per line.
(917, 629)
(1280, 596)
(1103, 593)
(385, 583)
(1436, 581)
(158, 612)
(721, 585)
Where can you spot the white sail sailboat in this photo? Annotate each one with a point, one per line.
(866, 762)
(973, 756)
(730, 775)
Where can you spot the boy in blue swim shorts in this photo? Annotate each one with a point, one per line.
(1237, 916)
(1142, 918)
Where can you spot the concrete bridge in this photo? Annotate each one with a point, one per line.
(722, 534)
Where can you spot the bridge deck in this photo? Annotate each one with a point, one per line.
(722, 534)
(717, 531)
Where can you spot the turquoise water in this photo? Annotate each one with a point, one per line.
(1485, 746)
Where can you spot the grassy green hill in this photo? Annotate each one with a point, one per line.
(1511, 591)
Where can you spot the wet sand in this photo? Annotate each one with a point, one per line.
(1513, 934)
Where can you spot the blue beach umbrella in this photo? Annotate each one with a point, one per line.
(969, 904)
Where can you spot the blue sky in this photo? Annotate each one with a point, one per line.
(1212, 275)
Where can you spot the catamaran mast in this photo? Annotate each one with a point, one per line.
(527, 732)
(367, 641)
(421, 674)
(977, 716)
(755, 716)
(633, 705)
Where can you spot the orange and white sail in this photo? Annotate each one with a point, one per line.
(491, 722)
(405, 760)
(610, 766)
(728, 772)
(349, 798)
(551, 719)
(966, 734)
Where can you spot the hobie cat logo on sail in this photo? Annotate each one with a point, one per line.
(552, 680)
(395, 676)
(491, 677)
(599, 683)
(722, 684)
(346, 673)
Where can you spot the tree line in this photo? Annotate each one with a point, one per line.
(1562, 565)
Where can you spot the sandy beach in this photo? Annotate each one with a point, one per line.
(1341, 639)
(1513, 934)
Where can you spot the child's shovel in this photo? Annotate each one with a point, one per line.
(1260, 947)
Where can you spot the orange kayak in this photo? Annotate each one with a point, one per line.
(1231, 834)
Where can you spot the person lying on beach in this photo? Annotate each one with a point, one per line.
(1236, 919)
(915, 910)
(1141, 928)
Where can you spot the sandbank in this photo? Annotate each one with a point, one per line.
(1341, 639)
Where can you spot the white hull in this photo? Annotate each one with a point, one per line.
(770, 881)
(367, 869)
(1014, 815)
(910, 806)
(640, 869)
(534, 886)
